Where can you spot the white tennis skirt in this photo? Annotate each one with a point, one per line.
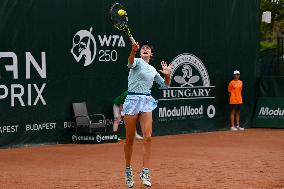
(135, 104)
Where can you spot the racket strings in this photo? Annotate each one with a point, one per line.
(119, 21)
(121, 25)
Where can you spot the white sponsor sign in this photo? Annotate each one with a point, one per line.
(40, 126)
(96, 139)
(9, 129)
(190, 81)
(15, 92)
(266, 111)
(184, 112)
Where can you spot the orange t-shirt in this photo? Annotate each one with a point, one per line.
(235, 88)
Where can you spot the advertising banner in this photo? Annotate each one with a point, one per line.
(269, 112)
(54, 53)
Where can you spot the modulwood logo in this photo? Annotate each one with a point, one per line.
(266, 111)
(181, 111)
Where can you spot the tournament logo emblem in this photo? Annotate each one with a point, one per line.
(190, 79)
(189, 71)
(84, 47)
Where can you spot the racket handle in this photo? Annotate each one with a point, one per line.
(132, 40)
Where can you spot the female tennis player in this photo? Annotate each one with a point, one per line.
(139, 104)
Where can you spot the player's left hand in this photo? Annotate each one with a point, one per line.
(166, 70)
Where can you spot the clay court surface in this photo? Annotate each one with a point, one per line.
(252, 159)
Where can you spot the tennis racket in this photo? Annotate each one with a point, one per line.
(119, 19)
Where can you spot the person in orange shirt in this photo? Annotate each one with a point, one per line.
(235, 92)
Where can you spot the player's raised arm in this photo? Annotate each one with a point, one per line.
(135, 47)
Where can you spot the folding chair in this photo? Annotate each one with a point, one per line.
(84, 121)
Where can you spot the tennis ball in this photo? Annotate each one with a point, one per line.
(121, 12)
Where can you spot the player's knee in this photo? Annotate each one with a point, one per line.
(117, 119)
(129, 139)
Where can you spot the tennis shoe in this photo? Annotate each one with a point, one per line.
(240, 128)
(233, 129)
(139, 137)
(129, 180)
(145, 177)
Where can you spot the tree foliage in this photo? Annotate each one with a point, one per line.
(270, 31)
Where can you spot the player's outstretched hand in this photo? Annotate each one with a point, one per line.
(166, 69)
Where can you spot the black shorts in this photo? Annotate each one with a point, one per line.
(235, 106)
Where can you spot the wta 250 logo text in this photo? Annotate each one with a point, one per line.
(86, 48)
